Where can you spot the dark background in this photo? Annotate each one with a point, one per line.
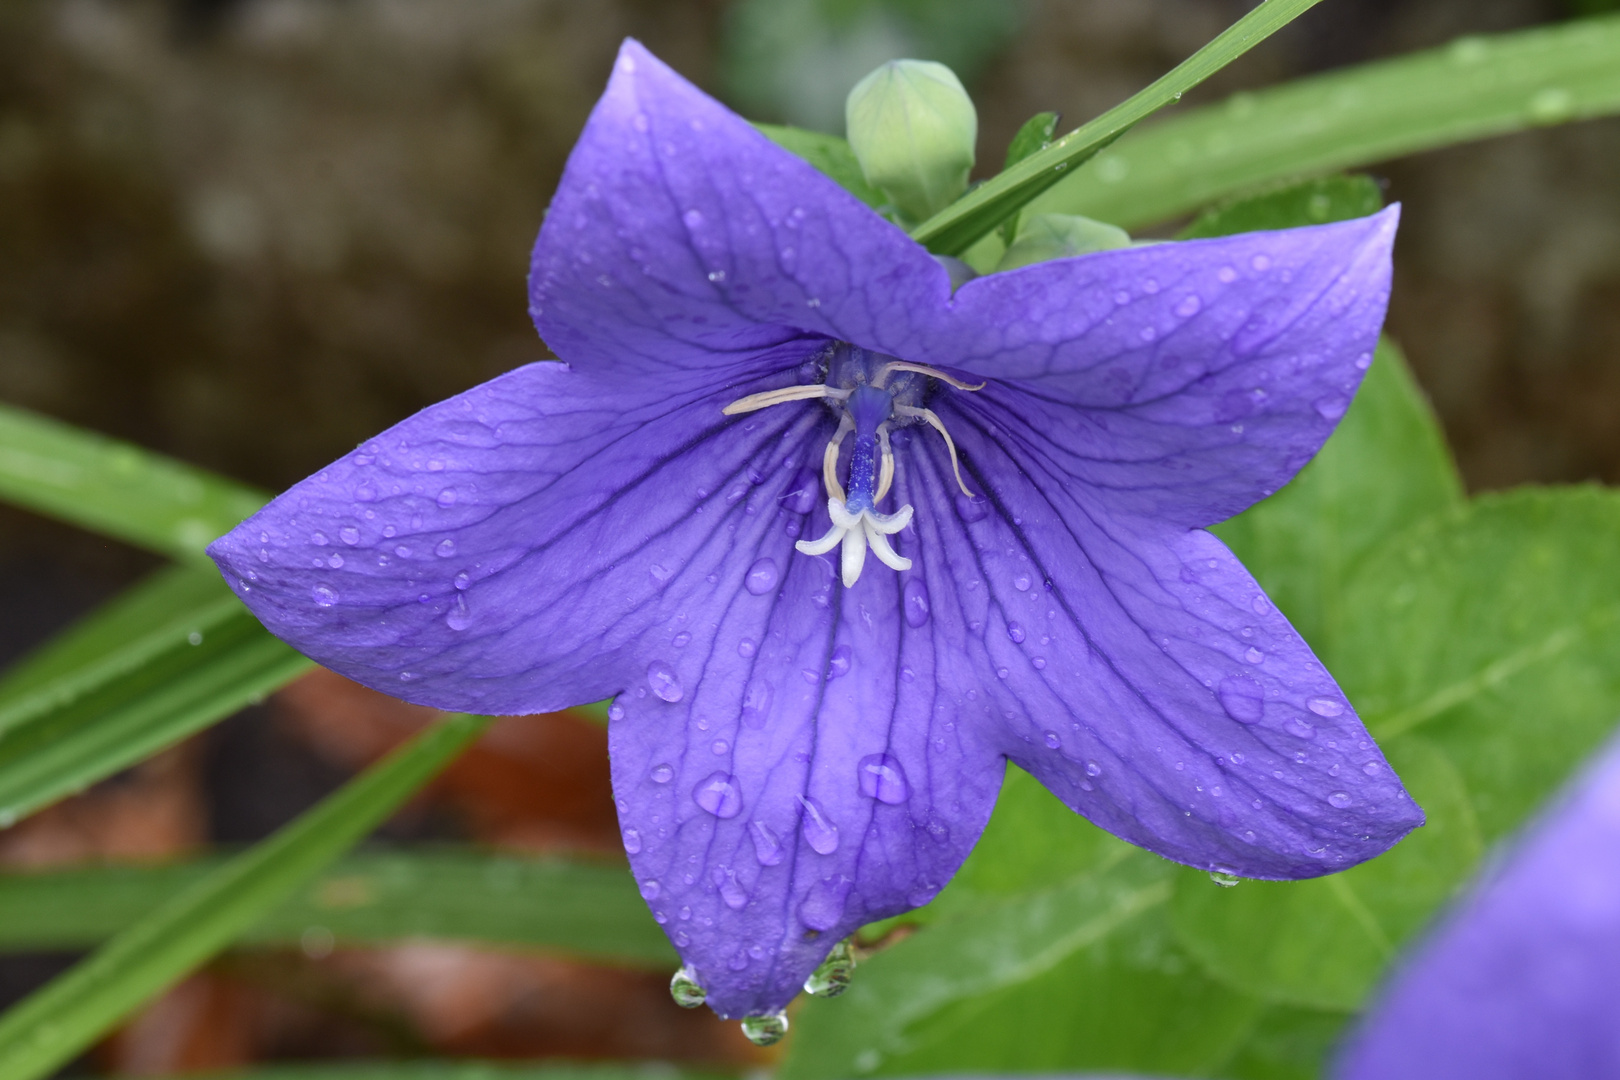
(252, 233)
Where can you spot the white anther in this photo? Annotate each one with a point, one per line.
(768, 398)
(882, 378)
(856, 532)
(938, 425)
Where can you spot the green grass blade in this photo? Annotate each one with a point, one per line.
(465, 1070)
(115, 488)
(55, 1023)
(954, 229)
(70, 733)
(1471, 89)
(151, 618)
(586, 909)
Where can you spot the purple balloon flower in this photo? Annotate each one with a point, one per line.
(1523, 978)
(764, 384)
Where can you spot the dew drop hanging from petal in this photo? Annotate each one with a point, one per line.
(819, 830)
(686, 990)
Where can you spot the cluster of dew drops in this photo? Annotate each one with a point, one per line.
(763, 1029)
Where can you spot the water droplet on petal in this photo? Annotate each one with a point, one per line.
(733, 894)
(650, 889)
(660, 573)
(335, 561)
(1254, 656)
(349, 535)
(462, 580)
(1364, 361)
(446, 548)
(747, 647)
(756, 705)
(1371, 768)
(881, 777)
(1224, 879)
(1093, 769)
(632, 841)
(765, 1030)
(1325, 707)
(1331, 407)
(915, 601)
(664, 682)
(1260, 605)
(662, 774)
(1243, 698)
(1340, 799)
(323, 595)
(838, 664)
(719, 746)
(719, 795)
(1189, 307)
(1021, 583)
(819, 830)
(693, 218)
(971, 510)
(1052, 740)
(686, 990)
(762, 577)
(447, 498)
(458, 617)
(1015, 632)
(682, 640)
(824, 905)
(615, 711)
(767, 845)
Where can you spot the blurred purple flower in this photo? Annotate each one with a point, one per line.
(1522, 979)
(794, 756)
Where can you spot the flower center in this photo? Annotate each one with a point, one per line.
(871, 394)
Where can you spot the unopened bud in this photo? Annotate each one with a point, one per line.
(1056, 236)
(912, 128)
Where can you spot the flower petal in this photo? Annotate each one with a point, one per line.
(1137, 670)
(1184, 381)
(506, 550)
(1519, 980)
(805, 778)
(680, 236)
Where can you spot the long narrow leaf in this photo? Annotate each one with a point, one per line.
(591, 910)
(177, 605)
(465, 1070)
(1474, 88)
(174, 691)
(954, 229)
(52, 1025)
(115, 488)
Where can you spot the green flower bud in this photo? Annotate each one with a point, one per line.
(1056, 236)
(912, 128)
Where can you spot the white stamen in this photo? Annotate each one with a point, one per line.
(768, 398)
(886, 473)
(938, 425)
(857, 532)
(829, 459)
(882, 378)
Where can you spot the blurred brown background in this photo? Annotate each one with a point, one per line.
(250, 233)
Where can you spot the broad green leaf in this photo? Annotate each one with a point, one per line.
(115, 488)
(1077, 976)
(1290, 203)
(956, 228)
(52, 1025)
(1474, 88)
(151, 618)
(580, 908)
(464, 1070)
(1324, 943)
(1494, 631)
(828, 153)
(1384, 469)
(102, 724)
